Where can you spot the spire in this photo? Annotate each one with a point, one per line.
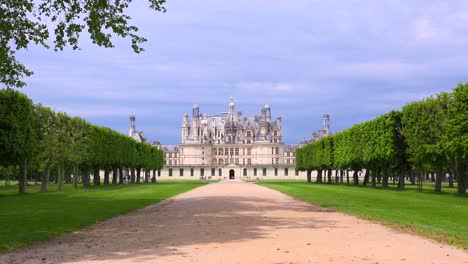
(326, 123)
(231, 109)
(131, 128)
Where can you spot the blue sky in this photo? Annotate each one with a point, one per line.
(352, 59)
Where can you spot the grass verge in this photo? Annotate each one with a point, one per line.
(35, 216)
(442, 217)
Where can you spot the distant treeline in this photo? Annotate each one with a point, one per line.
(34, 139)
(427, 136)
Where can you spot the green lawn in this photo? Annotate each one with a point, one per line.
(25, 219)
(443, 217)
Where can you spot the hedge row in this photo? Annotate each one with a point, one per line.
(36, 138)
(430, 135)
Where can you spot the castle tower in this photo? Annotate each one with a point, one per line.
(195, 130)
(185, 130)
(326, 124)
(131, 129)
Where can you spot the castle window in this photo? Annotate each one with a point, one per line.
(220, 172)
(249, 151)
(214, 151)
(255, 171)
(231, 152)
(275, 133)
(213, 171)
(227, 161)
(170, 162)
(220, 151)
(237, 152)
(276, 171)
(220, 161)
(159, 173)
(202, 172)
(245, 172)
(277, 150)
(286, 171)
(297, 173)
(264, 171)
(226, 151)
(243, 161)
(191, 171)
(288, 161)
(236, 161)
(248, 141)
(277, 160)
(170, 172)
(249, 133)
(181, 172)
(249, 161)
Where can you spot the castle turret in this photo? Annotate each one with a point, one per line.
(131, 129)
(185, 128)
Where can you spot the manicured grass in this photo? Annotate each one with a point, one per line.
(35, 216)
(443, 217)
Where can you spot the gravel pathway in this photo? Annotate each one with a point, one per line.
(236, 222)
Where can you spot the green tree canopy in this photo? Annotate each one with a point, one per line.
(36, 21)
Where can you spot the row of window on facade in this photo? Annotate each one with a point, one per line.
(245, 172)
(236, 161)
(233, 151)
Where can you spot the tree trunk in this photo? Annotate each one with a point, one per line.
(76, 176)
(385, 179)
(138, 170)
(438, 180)
(147, 176)
(132, 177)
(114, 175)
(450, 179)
(85, 178)
(319, 176)
(60, 176)
(341, 176)
(96, 176)
(347, 176)
(46, 175)
(309, 176)
(337, 179)
(121, 176)
(401, 180)
(153, 179)
(412, 178)
(366, 178)
(355, 177)
(432, 177)
(106, 175)
(23, 177)
(373, 178)
(329, 174)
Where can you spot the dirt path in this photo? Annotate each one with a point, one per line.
(236, 222)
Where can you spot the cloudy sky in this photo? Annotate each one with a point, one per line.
(352, 59)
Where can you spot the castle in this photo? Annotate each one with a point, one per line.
(228, 145)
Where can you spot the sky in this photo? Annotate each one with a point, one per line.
(354, 60)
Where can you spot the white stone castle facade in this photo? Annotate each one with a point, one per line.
(230, 146)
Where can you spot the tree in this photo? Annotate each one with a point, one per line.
(18, 139)
(457, 134)
(33, 21)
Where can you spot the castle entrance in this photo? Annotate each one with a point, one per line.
(231, 175)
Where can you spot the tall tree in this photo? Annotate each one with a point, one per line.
(34, 21)
(18, 139)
